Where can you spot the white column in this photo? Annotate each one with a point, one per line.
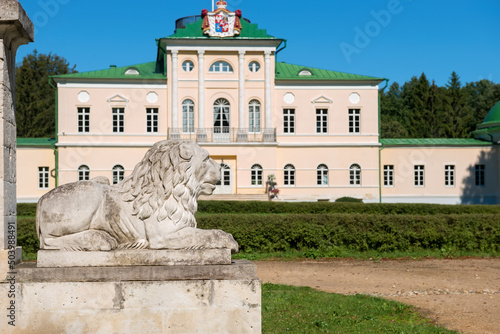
(175, 97)
(268, 89)
(241, 89)
(201, 90)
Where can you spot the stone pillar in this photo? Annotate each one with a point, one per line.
(201, 133)
(175, 97)
(16, 29)
(242, 132)
(268, 89)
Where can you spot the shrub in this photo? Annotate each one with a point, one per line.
(347, 199)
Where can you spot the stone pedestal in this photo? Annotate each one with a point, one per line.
(15, 29)
(136, 299)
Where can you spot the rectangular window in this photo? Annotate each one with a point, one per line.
(118, 120)
(354, 120)
(289, 121)
(480, 175)
(389, 175)
(449, 175)
(152, 120)
(321, 120)
(83, 120)
(419, 176)
(43, 177)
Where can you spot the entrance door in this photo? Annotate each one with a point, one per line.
(225, 185)
(221, 121)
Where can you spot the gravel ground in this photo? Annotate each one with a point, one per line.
(461, 294)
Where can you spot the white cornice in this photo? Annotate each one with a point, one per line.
(113, 85)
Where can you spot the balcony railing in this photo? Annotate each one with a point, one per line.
(224, 135)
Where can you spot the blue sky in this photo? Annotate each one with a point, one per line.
(395, 39)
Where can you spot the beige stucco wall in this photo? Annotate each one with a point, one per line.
(28, 161)
(434, 159)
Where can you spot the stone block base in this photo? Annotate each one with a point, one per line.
(134, 257)
(210, 299)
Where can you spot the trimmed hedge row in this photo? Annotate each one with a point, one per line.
(359, 232)
(251, 207)
(371, 230)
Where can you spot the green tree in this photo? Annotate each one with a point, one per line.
(424, 104)
(393, 117)
(35, 99)
(457, 112)
(481, 97)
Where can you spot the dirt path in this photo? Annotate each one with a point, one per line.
(462, 295)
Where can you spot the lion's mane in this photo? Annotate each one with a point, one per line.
(163, 183)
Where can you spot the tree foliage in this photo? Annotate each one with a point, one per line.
(35, 98)
(420, 109)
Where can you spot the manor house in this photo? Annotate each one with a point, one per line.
(217, 81)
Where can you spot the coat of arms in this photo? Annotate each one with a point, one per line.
(221, 22)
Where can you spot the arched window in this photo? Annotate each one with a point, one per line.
(221, 67)
(221, 116)
(289, 175)
(83, 173)
(256, 175)
(118, 173)
(355, 175)
(225, 172)
(254, 66)
(254, 116)
(188, 116)
(322, 175)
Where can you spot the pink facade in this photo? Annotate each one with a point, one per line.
(316, 130)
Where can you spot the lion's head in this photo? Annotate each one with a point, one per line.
(168, 181)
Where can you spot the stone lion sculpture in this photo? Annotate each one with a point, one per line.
(152, 208)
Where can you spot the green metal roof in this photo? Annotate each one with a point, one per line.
(35, 141)
(492, 118)
(433, 142)
(194, 31)
(286, 71)
(146, 71)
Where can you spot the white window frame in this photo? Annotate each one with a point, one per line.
(43, 177)
(289, 175)
(118, 120)
(256, 172)
(222, 109)
(321, 120)
(118, 173)
(419, 176)
(289, 120)
(480, 175)
(221, 66)
(388, 175)
(83, 173)
(322, 175)
(152, 120)
(225, 173)
(355, 175)
(254, 66)
(354, 120)
(188, 66)
(188, 116)
(449, 175)
(83, 116)
(254, 116)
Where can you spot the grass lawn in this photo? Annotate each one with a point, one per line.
(287, 309)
